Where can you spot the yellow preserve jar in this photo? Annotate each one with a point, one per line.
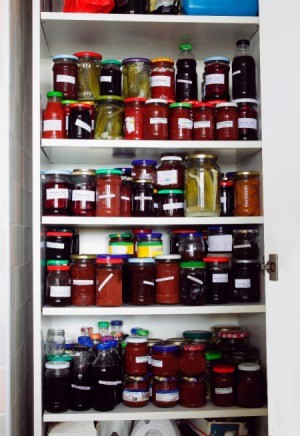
(202, 192)
(247, 193)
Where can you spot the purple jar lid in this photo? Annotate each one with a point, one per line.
(130, 60)
(165, 348)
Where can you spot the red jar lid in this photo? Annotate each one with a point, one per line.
(141, 231)
(224, 183)
(233, 334)
(224, 369)
(134, 99)
(215, 102)
(58, 267)
(168, 60)
(178, 231)
(194, 347)
(80, 105)
(91, 54)
(108, 261)
(216, 259)
(59, 234)
(202, 104)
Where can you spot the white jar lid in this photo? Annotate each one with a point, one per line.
(226, 104)
(136, 339)
(168, 257)
(249, 367)
(245, 100)
(57, 365)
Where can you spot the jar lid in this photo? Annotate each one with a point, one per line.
(107, 171)
(187, 105)
(57, 364)
(108, 260)
(243, 42)
(247, 173)
(230, 174)
(57, 172)
(171, 61)
(197, 334)
(144, 162)
(95, 336)
(187, 47)
(245, 231)
(170, 191)
(104, 346)
(83, 172)
(188, 234)
(143, 182)
(103, 324)
(168, 257)
(135, 100)
(216, 58)
(177, 341)
(224, 369)
(116, 322)
(120, 235)
(83, 256)
(171, 157)
(193, 379)
(233, 334)
(57, 358)
(68, 101)
(249, 367)
(141, 231)
(183, 231)
(245, 262)
(92, 54)
(213, 355)
(136, 339)
(152, 341)
(54, 94)
(226, 182)
(202, 104)
(136, 378)
(216, 259)
(141, 260)
(165, 348)
(65, 56)
(57, 262)
(111, 61)
(245, 100)
(109, 98)
(156, 100)
(201, 156)
(142, 332)
(149, 235)
(134, 330)
(227, 104)
(80, 106)
(59, 234)
(192, 264)
(109, 256)
(215, 102)
(194, 347)
(165, 379)
(130, 60)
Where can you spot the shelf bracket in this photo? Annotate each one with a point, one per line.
(272, 267)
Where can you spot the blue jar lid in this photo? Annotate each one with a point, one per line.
(134, 330)
(130, 60)
(116, 322)
(149, 235)
(110, 342)
(141, 260)
(125, 171)
(104, 346)
(188, 235)
(144, 162)
(217, 58)
(111, 256)
(65, 56)
(65, 172)
(166, 348)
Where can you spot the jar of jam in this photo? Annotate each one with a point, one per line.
(212, 358)
(89, 68)
(174, 238)
(141, 281)
(91, 106)
(217, 280)
(216, 71)
(192, 391)
(83, 192)
(66, 107)
(54, 117)
(80, 123)
(162, 78)
(111, 77)
(224, 386)
(191, 246)
(136, 233)
(65, 75)
(156, 120)
(109, 281)
(227, 122)
(219, 241)
(136, 77)
(120, 243)
(170, 203)
(246, 281)
(136, 391)
(109, 114)
(57, 386)
(216, 329)
(136, 356)
(192, 360)
(165, 361)
(134, 117)
(193, 283)
(149, 245)
(204, 121)
(245, 246)
(247, 119)
(108, 192)
(247, 193)
(83, 276)
(143, 169)
(181, 124)
(142, 198)
(58, 245)
(58, 283)
(249, 386)
(198, 336)
(126, 192)
(170, 174)
(235, 347)
(57, 193)
(227, 196)
(167, 273)
(165, 391)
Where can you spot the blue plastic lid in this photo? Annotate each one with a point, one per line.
(144, 162)
(149, 235)
(110, 342)
(67, 173)
(65, 56)
(141, 260)
(104, 346)
(217, 58)
(116, 322)
(111, 256)
(187, 235)
(134, 330)
(166, 348)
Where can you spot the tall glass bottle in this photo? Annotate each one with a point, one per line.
(104, 379)
(243, 72)
(81, 390)
(186, 76)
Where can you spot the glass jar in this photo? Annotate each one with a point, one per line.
(91, 106)
(204, 121)
(191, 246)
(247, 193)
(67, 109)
(227, 196)
(83, 276)
(136, 391)
(186, 74)
(217, 280)
(235, 347)
(219, 241)
(136, 233)
(136, 356)
(174, 239)
(227, 122)
(149, 245)
(247, 119)
(246, 281)
(126, 193)
(165, 360)
(193, 283)
(192, 392)
(170, 174)
(89, 68)
(81, 383)
(243, 71)
(141, 281)
(108, 192)
(192, 360)
(180, 123)
(142, 198)
(202, 190)
(167, 273)
(198, 336)
(111, 77)
(57, 387)
(136, 77)
(65, 75)
(120, 243)
(162, 79)
(249, 386)
(57, 193)
(216, 329)
(83, 192)
(58, 283)
(54, 117)
(80, 123)
(109, 281)
(109, 114)
(156, 122)
(216, 71)
(143, 169)
(74, 240)
(55, 342)
(223, 386)
(212, 358)
(104, 379)
(245, 246)
(165, 392)
(58, 245)
(134, 113)
(170, 203)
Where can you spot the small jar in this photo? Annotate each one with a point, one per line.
(165, 391)
(136, 233)
(83, 192)
(224, 386)
(143, 169)
(249, 386)
(136, 356)
(142, 198)
(89, 68)
(216, 71)
(247, 193)
(245, 246)
(191, 246)
(58, 283)
(219, 241)
(181, 124)
(67, 109)
(120, 243)
(57, 193)
(55, 342)
(141, 281)
(192, 392)
(167, 273)
(232, 339)
(109, 281)
(149, 245)
(162, 78)
(108, 192)
(136, 77)
(109, 115)
(170, 174)
(165, 361)
(204, 121)
(174, 238)
(192, 360)
(170, 203)
(227, 122)
(247, 119)
(80, 123)
(246, 281)
(65, 75)
(58, 245)
(193, 283)
(212, 359)
(136, 391)
(134, 113)
(217, 280)
(227, 196)
(57, 386)
(156, 120)
(111, 77)
(83, 276)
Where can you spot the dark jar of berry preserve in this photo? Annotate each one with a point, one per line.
(81, 383)
(246, 281)
(224, 386)
(193, 283)
(83, 276)
(192, 391)
(83, 192)
(57, 193)
(65, 75)
(216, 78)
(218, 282)
(142, 198)
(57, 386)
(245, 244)
(80, 123)
(247, 119)
(170, 203)
(58, 245)
(250, 391)
(141, 281)
(111, 77)
(58, 283)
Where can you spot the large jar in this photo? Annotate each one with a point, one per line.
(191, 246)
(83, 276)
(247, 119)
(58, 283)
(167, 273)
(249, 386)
(65, 75)
(81, 383)
(57, 387)
(181, 124)
(108, 192)
(202, 190)
(246, 281)
(80, 122)
(192, 391)
(245, 246)
(136, 356)
(142, 198)
(227, 122)
(143, 169)
(216, 78)
(162, 78)
(165, 392)
(104, 379)
(204, 121)
(89, 68)
(66, 107)
(111, 77)
(57, 193)
(136, 391)
(218, 280)
(223, 386)
(136, 77)
(141, 281)
(170, 203)
(109, 116)
(156, 122)
(186, 75)
(58, 245)
(170, 174)
(165, 360)
(247, 193)
(83, 192)
(134, 118)
(193, 283)
(109, 281)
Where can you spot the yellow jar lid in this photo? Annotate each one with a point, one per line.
(171, 61)
(201, 156)
(247, 174)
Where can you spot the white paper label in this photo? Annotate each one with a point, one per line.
(123, 197)
(106, 79)
(234, 73)
(101, 286)
(141, 359)
(242, 246)
(145, 282)
(173, 206)
(220, 278)
(190, 82)
(223, 391)
(167, 396)
(107, 383)
(142, 197)
(247, 123)
(211, 79)
(165, 279)
(242, 283)
(201, 124)
(83, 125)
(55, 194)
(65, 78)
(165, 178)
(160, 81)
(219, 243)
(81, 388)
(157, 363)
(83, 195)
(56, 245)
(100, 197)
(224, 125)
(51, 125)
(135, 397)
(185, 123)
(194, 279)
(83, 282)
(158, 121)
(130, 124)
(60, 291)
(118, 249)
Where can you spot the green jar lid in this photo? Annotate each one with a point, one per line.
(107, 171)
(142, 332)
(197, 334)
(57, 262)
(69, 101)
(111, 61)
(120, 235)
(109, 98)
(57, 358)
(149, 243)
(170, 191)
(213, 355)
(55, 94)
(103, 324)
(192, 264)
(188, 105)
(185, 47)
(123, 345)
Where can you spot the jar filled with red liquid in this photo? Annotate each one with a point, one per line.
(224, 386)
(141, 281)
(136, 391)
(57, 193)
(165, 361)
(83, 276)
(165, 392)
(134, 118)
(170, 174)
(67, 109)
(192, 391)
(54, 117)
(136, 356)
(204, 121)
(58, 283)
(249, 386)
(247, 119)
(80, 123)
(181, 124)
(109, 281)
(192, 360)
(84, 192)
(227, 122)
(162, 78)
(65, 75)
(216, 78)
(108, 192)
(247, 193)
(144, 169)
(167, 273)
(156, 120)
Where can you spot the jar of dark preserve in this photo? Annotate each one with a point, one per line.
(142, 281)
(57, 387)
(134, 113)
(174, 239)
(126, 192)
(217, 78)
(193, 283)
(204, 121)
(227, 196)
(165, 392)
(218, 280)
(136, 356)
(108, 190)
(192, 359)
(180, 123)
(170, 174)
(224, 386)
(58, 245)
(142, 198)
(58, 283)
(192, 391)
(162, 78)
(111, 77)
(80, 123)
(227, 122)
(191, 246)
(219, 241)
(246, 281)
(245, 244)
(249, 386)
(83, 276)
(247, 119)
(74, 240)
(170, 203)
(167, 273)
(143, 169)
(165, 360)
(212, 358)
(136, 391)
(156, 120)
(65, 75)
(81, 386)
(57, 193)
(83, 192)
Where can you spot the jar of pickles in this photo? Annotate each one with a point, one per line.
(136, 77)
(109, 116)
(89, 68)
(162, 78)
(83, 192)
(247, 193)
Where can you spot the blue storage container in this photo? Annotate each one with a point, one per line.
(243, 8)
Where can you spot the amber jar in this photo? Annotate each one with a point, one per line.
(58, 283)
(192, 391)
(180, 123)
(165, 392)
(109, 281)
(162, 78)
(247, 193)
(134, 113)
(165, 360)
(83, 276)
(65, 75)
(249, 386)
(143, 169)
(224, 386)
(156, 120)
(142, 198)
(216, 78)
(167, 273)
(247, 119)
(136, 391)
(170, 203)
(192, 360)
(83, 192)
(141, 281)
(136, 356)
(108, 192)
(227, 122)
(170, 174)
(204, 121)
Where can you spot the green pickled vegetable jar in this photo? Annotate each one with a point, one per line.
(89, 68)
(202, 192)
(109, 117)
(136, 77)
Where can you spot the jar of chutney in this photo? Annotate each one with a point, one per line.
(156, 120)
(111, 77)
(193, 283)
(83, 192)
(57, 193)
(136, 356)
(83, 277)
(108, 192)
(141, 281)
(167, 273)
(109, 281)
(89, 68)
(180, 123)
(170, 174)
(227, 122)
(65, 75)
(216, 78)
(204, 121)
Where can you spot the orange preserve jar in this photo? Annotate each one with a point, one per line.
(83, 276)
(167, 272)
(108, 192)
(227, 122)
(162, 78)
(192, 360)
(247, 193)
(136, 356)
(109, 281)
